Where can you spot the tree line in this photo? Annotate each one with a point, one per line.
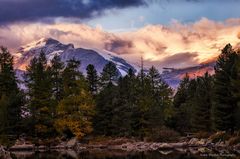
(61, 101)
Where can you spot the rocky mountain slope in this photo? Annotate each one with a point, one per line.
(173, 76)
(52, 47)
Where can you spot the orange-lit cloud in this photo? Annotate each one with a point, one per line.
(175, 45)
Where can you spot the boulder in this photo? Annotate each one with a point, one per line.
(179, 145)
(42, 148)
(166, 146)
(236, 148)
(129, 147)
(25, 147)
(193, 142)
(81, 147)
(220, 144)
(72, 143)
(60, 146)
(218, 136)
(204, 150)
(4, 154)
(193, 151)
(209, 142)
(154, 146)
(143, 147)
(201, 142)
(165, 152)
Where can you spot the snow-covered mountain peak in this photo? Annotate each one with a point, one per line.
(52, 47)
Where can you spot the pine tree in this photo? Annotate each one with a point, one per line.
(181, 94)
(203, 103)
(109, 74)
(154, 77)
(92, 79)
(154, 100)
(11, 98)
(224, 103)
(75, 113)
(38, 82)
(70, 76)
(106, 101)
(236, 92)
(123, 111)
(76, 109)
(56, 69)
(183, 104)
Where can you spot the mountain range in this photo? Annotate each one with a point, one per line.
(52, 47)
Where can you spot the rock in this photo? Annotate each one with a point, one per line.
(60, 146)
(129, 147)
(72, 153)
(154, 146)
(220, 144)
(204, 150)
(179, 145)
(72, 143)
(98, 146)
(25, 147)
(81, 147)
(4, 154)
(22, 144)
(218, 136)
(197, 142)
(193, 151)
(209, 142)
(201, 142)
(165, 152)
(42, 148)
(165, 146)
(237, 146)
(182, 150)
(193, 142)
(143, 147)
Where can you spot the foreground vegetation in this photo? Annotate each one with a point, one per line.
(61, 102)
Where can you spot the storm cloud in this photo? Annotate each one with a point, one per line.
(31, 10)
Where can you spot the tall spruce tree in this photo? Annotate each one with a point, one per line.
(92, 79)
(39, 89)
(224, 103)
(183, 104)
(107, 101)
(11, 98)
(126, 102)
(154, 77)
(203, 103)
(236, 92)
(70, 76)
(56, 69)
(181, 94)
(109, 74)
(76, 109)
(162, 96)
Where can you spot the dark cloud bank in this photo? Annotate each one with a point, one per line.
(30, 10)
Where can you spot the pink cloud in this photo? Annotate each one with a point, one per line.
(201, 40)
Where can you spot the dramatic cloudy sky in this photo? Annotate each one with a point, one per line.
(167, 33)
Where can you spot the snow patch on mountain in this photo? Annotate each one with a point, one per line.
(52, 47)
(99, 59)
